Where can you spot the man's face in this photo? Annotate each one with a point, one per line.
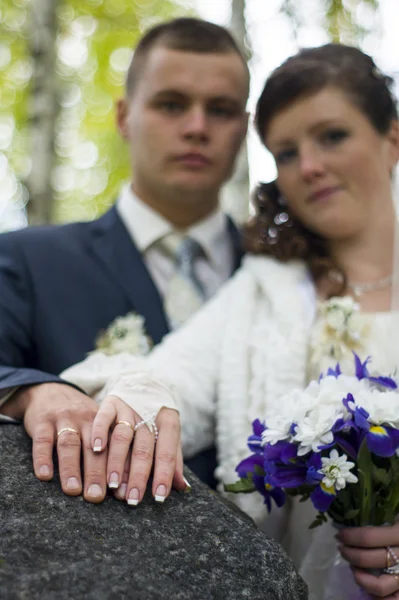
(185, 122)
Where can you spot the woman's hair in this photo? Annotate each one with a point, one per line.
(273, 231)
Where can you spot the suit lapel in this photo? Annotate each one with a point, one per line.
(236, 238)
(111, 244)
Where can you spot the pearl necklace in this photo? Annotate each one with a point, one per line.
(359, 289)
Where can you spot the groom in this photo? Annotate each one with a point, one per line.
(184, 119)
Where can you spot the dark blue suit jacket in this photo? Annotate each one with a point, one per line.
(60, 286)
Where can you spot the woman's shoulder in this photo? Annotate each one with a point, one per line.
(266, 267)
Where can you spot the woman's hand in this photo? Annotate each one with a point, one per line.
(133, 446)
(367, 548)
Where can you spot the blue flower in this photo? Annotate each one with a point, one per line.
(251, 464)
(253, 467)
(363, 373)
(382, 440)
(270, 493)
(322, 497)
(313, 477)
(334, 372)
(282, 451)
(255, 443)
(286, 476)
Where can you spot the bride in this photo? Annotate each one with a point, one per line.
(321, 247)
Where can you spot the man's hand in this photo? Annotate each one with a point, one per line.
(48, 408)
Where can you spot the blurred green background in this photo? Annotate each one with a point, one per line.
(62, 66)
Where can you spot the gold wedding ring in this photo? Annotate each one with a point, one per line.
(125, 423)
(67, 429)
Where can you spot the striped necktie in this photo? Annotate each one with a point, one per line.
(185, 294)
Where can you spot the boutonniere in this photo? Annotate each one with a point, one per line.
(125, 334)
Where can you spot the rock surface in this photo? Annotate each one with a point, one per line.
(194, 547)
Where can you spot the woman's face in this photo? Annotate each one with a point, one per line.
(334, 168)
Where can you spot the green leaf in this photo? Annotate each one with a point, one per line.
(381, 476)
(319, 520)
(364, 462)
(351, 514)
(242, 486)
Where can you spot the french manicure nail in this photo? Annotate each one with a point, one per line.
(44, 471)
(97, 446)
(160, 494)
(188, 486)
(133, 499)
(113, 481)
(73, 483)
(95, 491)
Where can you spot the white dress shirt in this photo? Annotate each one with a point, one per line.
(147, 227)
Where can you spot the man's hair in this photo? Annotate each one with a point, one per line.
(185, 34)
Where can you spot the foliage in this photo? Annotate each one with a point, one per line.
(340, 20)
(94, 46)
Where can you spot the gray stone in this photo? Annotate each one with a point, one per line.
(194, 547)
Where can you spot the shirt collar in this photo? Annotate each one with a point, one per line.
(146, 226)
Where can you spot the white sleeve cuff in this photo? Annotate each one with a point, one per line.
(142, 391)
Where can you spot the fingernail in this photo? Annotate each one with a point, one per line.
(44, 471)
(122, 491)
(188, 486)
(134, 496)
(73, 484)
(95, 491)
(113, 480)
(97, 446)
(160, 494)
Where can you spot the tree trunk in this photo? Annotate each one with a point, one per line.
(235, 197)
(42, 108)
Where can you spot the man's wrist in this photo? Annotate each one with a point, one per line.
(16, 404)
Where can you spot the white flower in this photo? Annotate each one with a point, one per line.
(125, 334)
(382, 406)
(331, 390)
(315, 429)
(336, 471)
(278, 428)
(290, 409)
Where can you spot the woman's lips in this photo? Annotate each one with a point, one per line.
(323, 193)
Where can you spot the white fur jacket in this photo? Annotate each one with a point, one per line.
(231, 363)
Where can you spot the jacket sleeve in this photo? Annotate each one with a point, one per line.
(16, 315)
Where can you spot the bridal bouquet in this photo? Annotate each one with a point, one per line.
(335, 443)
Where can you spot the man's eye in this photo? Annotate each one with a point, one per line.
(171, 106)
(222, 111)
(285, 156)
